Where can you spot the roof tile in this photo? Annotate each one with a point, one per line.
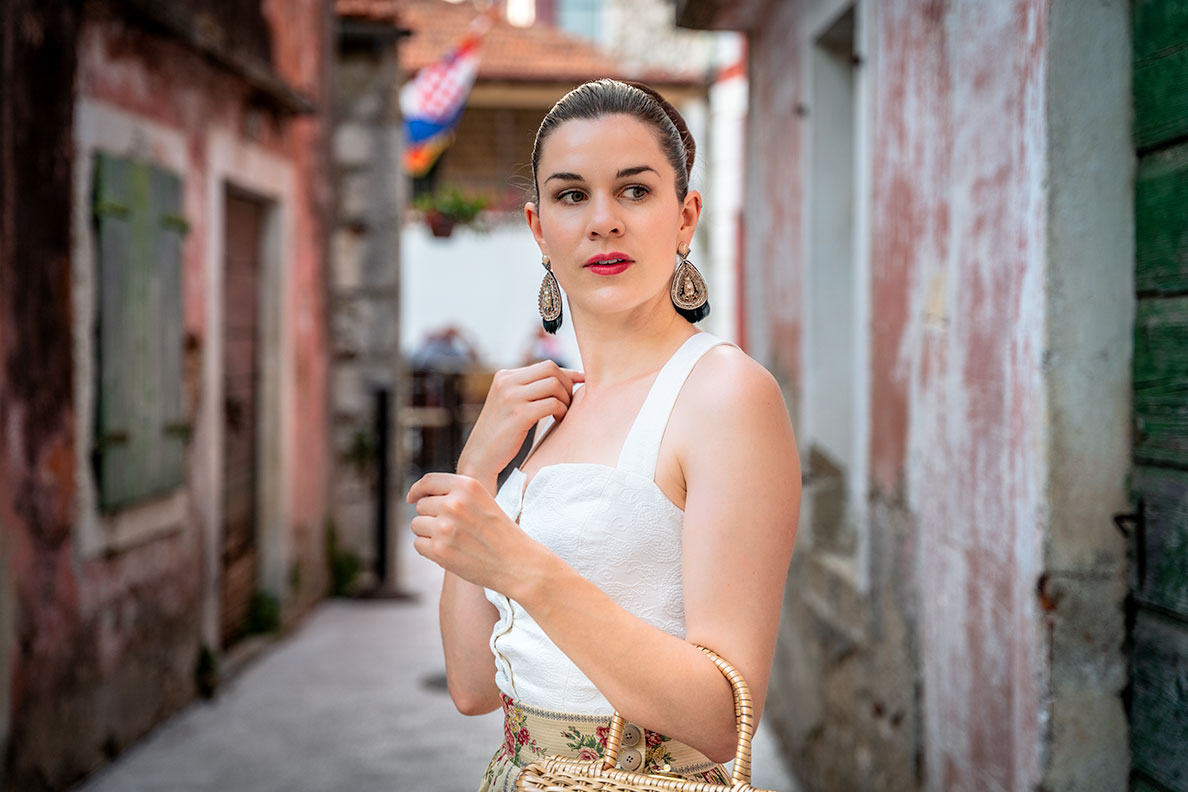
(539, 52)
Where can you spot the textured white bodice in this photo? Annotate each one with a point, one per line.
(615, 527)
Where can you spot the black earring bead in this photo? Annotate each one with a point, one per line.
(695, 315)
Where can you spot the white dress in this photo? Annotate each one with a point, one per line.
(615, 527)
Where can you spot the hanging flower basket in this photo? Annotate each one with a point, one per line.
(442, 225)
(447, 208)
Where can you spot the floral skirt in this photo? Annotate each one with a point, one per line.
(530, 733)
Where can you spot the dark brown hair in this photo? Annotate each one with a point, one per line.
(609, 97)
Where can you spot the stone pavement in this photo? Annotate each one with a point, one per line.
(352, 700)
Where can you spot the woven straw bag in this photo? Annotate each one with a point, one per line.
(560, 774)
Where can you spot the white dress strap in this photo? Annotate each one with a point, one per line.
(641, 449)
(542, 429)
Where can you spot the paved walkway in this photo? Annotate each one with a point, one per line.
(352, 700)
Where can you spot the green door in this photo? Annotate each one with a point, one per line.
(1159, 629)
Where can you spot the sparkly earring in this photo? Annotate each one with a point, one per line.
(549, 299)
(689, 293)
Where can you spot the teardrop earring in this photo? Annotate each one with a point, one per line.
(689, 293)
(549, 298)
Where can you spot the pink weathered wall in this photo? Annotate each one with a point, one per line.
(134, 71)
(303, 54)
(933, 675)
(971, 636)
(958, 418)
(773, 209)
(38, 595)
(104, 647)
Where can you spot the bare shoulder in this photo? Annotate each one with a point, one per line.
(733, 439)
(728, 380)
(730, 406)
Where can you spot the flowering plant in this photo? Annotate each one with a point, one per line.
(449, 206)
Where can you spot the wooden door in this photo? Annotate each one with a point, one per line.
(1159, 614)
(241, 301)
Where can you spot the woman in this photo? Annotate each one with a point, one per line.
(657, 508)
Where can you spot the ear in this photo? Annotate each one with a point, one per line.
(690, 214)
(533, 218)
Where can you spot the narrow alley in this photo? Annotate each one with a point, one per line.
(261, 262)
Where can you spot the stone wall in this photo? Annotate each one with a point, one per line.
(370, 185)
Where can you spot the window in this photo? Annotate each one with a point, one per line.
(140, 431)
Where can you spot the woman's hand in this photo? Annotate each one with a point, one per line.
(518, 399)
(460, 528)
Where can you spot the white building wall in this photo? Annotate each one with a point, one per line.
(484, 283)
(723, 161)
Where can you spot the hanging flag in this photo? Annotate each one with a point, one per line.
(433, 101)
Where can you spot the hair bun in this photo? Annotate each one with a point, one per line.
(677, 119)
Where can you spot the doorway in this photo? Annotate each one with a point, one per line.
(240, 561)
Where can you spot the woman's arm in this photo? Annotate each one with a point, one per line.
(732, 436)
(467, 618)
(518, 399)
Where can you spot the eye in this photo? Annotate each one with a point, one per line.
(636, 192)
(570, 196)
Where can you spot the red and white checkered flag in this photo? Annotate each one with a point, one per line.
(438, 92)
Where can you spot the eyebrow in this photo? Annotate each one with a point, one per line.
(638, 169)
(622, 174)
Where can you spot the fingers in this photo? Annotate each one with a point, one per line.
(545, 388)
(423, 546)
(422, 526)
(542, 370)
(432, 484)
(568, 377)
(550, 405)
(430, 536)
(440, 484)
(431, 505)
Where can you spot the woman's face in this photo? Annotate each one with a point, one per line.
(608, 217)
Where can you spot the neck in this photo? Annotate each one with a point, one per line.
(622, 347)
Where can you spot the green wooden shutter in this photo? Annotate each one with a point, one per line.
(140, 436)
(1159, 636)
(1160, 71)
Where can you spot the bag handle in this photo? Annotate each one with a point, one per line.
(744, 719)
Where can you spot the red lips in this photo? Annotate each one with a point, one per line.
(609, 263)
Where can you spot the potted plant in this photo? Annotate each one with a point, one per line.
(447, 207)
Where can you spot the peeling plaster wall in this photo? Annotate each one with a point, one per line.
(303, 53)
(982, 649)
(773, 236)
(844, 691)
(133, 71)
(38, 595)
(959, 265)
(100, 642)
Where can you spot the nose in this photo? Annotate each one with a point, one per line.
(604, 218)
